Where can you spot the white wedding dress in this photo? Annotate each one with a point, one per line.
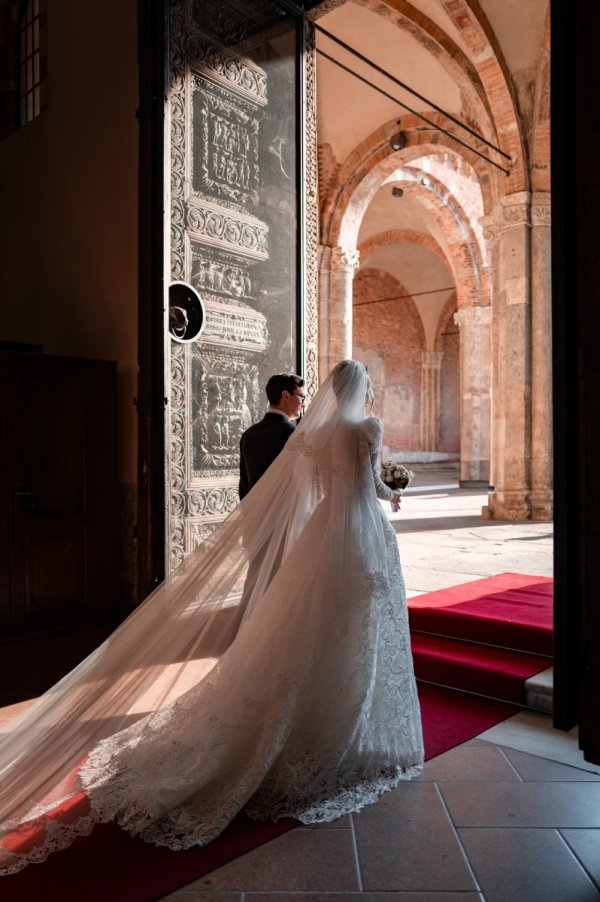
(309, 709)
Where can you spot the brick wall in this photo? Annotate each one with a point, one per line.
(389, 338)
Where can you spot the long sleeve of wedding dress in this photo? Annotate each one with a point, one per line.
(310, 709)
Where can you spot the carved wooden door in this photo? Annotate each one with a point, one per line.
(239, 168)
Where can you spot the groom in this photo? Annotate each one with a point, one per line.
(262, 442)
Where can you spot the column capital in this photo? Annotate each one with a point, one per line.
(511, 211)
(473, 316)
(431, 360)
(541, 208)
(344, 259)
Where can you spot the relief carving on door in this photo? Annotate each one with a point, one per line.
(234, 216)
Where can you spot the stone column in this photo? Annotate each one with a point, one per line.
(431, 365)
(541, 359)
(507, 230)
(474, 325)
(338, 265)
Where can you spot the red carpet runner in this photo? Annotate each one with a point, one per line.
(108, 866)
(486, 636)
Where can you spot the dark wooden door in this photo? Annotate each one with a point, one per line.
(576, 328)
(59, 518)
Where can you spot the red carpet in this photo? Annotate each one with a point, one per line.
(108, 866)
(509, 610)
(486, 637)
(450, 718)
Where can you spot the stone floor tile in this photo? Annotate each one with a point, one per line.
(469, 763)
(531, 768)
(586, 846)
(406, 842)
(523, 865)
(302, 860)
(523, 804)
(359, 897)
(533, 732)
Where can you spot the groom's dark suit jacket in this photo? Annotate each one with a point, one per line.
(259, 446)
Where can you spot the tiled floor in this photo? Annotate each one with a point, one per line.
(486, 821)
(483, 822)
(513, 816)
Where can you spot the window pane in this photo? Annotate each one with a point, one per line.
(29, 73)
(23, 111)
(29, 8)
(36, 34)
(23, 81)
(36, 102)
(29, 107)
(36, 7)
(36, 68)
(23, 45)
(29, 40)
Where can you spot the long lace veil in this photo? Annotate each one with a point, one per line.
(175, 637)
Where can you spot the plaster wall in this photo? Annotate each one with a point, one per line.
(68, 182)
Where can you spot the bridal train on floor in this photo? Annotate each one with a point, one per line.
(292, 695)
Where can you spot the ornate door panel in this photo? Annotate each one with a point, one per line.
(237, 173)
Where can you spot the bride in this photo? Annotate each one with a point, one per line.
(292, 697)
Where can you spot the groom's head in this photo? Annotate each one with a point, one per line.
(285, 392)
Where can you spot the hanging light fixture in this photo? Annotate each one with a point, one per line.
(398, 141)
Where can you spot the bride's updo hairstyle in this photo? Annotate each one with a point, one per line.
(352, 387)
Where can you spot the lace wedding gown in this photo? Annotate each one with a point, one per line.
(311, 711)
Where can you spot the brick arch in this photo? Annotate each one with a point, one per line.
(466, 262)
(486, 55)
(466, 75)
(399, 236)
(483, 76)
(373, 161)
(466, 259)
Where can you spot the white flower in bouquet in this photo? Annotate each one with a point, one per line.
(395, 475)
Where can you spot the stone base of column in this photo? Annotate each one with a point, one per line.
(506, 506)
(474, 483)
(542, 505)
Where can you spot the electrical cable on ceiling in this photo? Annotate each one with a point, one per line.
(400, 297)
(434, 125)
(412, 91)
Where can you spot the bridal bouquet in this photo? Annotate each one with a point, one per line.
(396, 477)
